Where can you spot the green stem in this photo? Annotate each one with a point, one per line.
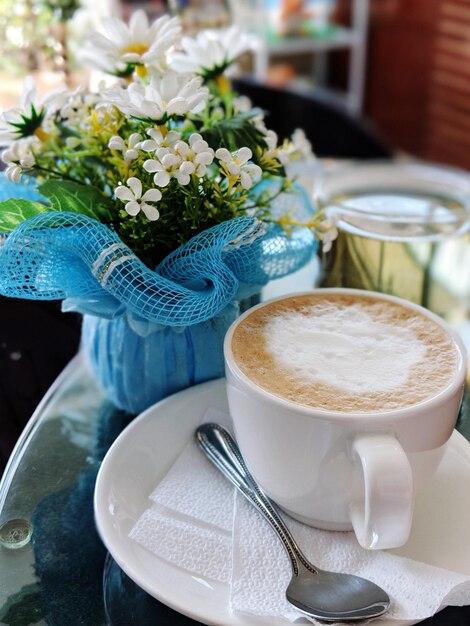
(227, 100)
(266, 202)
(55, 173)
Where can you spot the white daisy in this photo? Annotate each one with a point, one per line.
(124, 47)
(237, 167)
(33, 114)
(135, 201)
(210, 52)
(172, 94)
(130, 148)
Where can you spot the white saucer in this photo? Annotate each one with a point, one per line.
(146, 449)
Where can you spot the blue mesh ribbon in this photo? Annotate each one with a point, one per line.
(61, 255)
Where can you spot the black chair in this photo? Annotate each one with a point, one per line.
(37, 341)
(331, 129)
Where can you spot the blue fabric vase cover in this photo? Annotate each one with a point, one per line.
(149, 333)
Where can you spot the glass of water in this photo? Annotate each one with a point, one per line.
(403, 229)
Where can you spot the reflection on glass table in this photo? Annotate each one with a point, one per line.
(54, 569)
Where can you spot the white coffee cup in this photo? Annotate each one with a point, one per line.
(341, 469)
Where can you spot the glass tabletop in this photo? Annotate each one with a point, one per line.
(54, 568)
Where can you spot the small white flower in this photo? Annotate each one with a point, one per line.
(298, 148)
(19, 158)
(242, 104)
(237, 166)
(259, 123)
(172, 94)
(159, 140)
(301, 143)
(327, 233)
(33, 114)
(271, 140)
(272, 155)
(180, 161)
(14, 173)
(197, 152)
(168, 165)
(210, 52)
(122, 46)
(135, 201)
(162, 172)
(129, 149)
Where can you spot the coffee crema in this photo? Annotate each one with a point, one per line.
(345, 352)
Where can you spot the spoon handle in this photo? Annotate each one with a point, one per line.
(221, 449)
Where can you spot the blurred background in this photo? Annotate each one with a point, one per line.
(401, 64)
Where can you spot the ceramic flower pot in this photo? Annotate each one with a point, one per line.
(138, 366)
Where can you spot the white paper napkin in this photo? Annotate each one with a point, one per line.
(199, 522)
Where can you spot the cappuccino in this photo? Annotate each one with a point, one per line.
(345, 352)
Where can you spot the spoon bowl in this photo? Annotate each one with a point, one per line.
(338, 597)
(323, 595)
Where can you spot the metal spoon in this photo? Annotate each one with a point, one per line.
(326, 596)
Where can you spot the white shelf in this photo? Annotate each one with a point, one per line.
(339, 38)
(353, 38)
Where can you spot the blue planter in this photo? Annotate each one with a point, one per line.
(138, 367)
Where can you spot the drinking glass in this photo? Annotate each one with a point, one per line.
(403, 229)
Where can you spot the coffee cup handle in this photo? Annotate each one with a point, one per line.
(382, 518)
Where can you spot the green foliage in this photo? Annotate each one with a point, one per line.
(14, 211)
(62, 9)
(187, 211)
(66, 195)
(63, 196)
(234, 132)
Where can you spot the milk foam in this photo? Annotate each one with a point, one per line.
(348, 353)
(344, 348)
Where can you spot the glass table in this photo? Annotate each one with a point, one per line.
(54, 569)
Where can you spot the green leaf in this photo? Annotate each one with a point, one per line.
(234, 133)
(15, 211)
(66, 195)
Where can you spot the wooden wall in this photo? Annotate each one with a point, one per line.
(418, 79)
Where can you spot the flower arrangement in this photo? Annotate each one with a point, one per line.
(165, 153)
(163, 201)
